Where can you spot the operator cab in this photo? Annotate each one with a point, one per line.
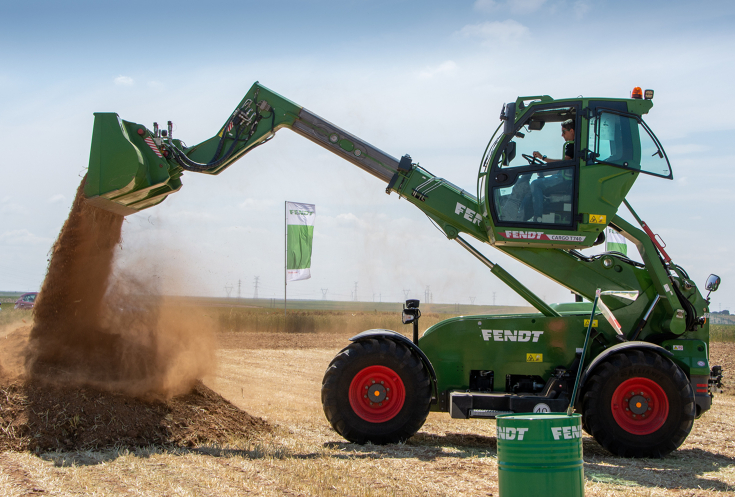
(560, 169)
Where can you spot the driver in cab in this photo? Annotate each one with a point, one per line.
(543, 183)
(567, 132)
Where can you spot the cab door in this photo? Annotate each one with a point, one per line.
(531, 194)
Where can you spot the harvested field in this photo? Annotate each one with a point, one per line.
(302, 455)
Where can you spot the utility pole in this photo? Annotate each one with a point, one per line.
(426, 294)
(405, 293)
(255, 296)
(228, 289)
(493, 298)
(355, 294)
(238, 288)
(324, 293)
(472, 300)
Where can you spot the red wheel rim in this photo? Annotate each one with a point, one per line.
(377, 394)
(640, 406)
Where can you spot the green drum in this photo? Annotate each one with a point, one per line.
(540, 454)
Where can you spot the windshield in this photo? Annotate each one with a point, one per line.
(543, 133)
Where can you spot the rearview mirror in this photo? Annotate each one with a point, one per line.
(713, 283)
(509, 116)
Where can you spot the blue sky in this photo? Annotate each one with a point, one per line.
(425, 78)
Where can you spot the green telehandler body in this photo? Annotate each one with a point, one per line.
(647, 374)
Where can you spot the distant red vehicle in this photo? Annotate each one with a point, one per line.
(26, 301)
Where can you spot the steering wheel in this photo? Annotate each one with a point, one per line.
(533, 161)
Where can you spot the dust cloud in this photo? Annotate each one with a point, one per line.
(111, 329)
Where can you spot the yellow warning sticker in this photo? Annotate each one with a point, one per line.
(598, 219)
(534, 358)
(587, 323)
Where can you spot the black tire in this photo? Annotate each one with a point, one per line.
(350, 365)
(610, 380)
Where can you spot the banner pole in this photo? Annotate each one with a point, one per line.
(285, 261)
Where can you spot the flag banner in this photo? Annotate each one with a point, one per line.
(299, 235)
(615, 242)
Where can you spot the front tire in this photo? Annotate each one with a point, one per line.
(638, 404)
(376, 391)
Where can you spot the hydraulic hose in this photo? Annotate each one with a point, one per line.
(189, 165)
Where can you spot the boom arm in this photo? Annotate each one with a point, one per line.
(132, 168)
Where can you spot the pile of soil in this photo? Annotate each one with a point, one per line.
(105, 364)
(40, 417)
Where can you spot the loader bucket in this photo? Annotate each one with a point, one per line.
(127, 171)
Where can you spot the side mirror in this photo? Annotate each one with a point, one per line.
(713, 283)
(509, 116)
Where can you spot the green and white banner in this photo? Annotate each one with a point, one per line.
(299, 235)
(615, 242)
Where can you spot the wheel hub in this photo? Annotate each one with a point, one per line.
(640, 406)
(377, 394)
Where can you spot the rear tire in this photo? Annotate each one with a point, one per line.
(638, 404)
(376, 391)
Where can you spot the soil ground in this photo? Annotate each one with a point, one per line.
(277, 377)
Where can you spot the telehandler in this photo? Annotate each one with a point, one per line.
(647, 375)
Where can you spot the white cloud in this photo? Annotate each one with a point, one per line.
(124, 81)
(486, 5)
(495, 31)
(525, 6)
(581, 8)
(56, 199)
(447, 67)
(256, 204)
(23, 237)
(515, 6)
(11, 208)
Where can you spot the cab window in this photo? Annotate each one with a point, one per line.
(625, 141)
(539, 197)
(540, 133)
(529, 190)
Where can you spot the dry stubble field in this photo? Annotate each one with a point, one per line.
(277, 376)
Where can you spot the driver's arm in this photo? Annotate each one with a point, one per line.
(547, 159)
